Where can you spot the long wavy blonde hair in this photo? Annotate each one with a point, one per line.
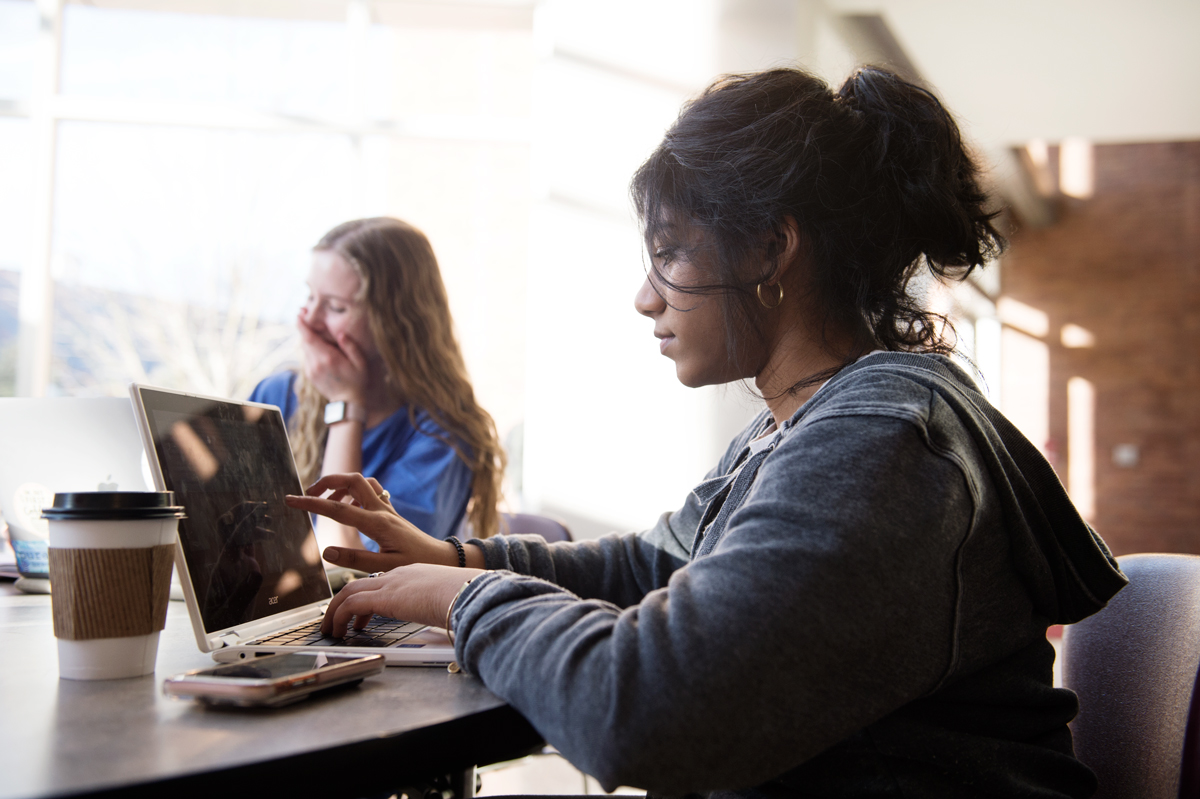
(409, 318)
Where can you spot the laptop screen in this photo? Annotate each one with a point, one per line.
(248, 554)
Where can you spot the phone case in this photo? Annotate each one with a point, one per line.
(252, 691)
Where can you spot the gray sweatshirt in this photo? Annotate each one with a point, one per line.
(858, 608)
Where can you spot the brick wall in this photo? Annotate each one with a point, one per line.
(1125, 265)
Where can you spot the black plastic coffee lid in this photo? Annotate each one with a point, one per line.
(83, 505)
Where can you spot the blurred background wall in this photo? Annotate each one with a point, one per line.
(165, 166)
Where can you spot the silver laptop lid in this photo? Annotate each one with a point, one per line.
(61, 444)
(245, 558)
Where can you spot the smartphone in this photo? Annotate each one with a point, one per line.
(272, 680)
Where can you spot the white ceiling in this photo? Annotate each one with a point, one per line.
(1012, 70)
(1112, 71)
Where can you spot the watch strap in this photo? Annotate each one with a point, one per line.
(341, 411)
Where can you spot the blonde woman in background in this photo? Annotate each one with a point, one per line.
(384, 390)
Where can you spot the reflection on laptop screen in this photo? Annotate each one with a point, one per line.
(248, 554)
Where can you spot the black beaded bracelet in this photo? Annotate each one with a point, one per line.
(462, 553)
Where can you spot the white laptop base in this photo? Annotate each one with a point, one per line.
(250, 565)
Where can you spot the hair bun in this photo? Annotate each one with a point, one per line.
(914, 152)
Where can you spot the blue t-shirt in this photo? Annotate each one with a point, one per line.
(429, 483)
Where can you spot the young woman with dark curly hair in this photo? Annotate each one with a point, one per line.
(854, 603)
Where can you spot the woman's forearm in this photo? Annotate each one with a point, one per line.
(343, 454)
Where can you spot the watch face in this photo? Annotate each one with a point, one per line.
(335, 412)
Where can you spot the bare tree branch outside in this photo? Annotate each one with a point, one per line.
(106, 339)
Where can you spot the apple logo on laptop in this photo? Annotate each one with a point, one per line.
(107, 485)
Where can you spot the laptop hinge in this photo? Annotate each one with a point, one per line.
(229, 639)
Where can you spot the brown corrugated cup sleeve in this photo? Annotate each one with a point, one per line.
(110, 593)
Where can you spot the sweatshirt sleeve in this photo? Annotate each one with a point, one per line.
(829, 602)
(620, 569)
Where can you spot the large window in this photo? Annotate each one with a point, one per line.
(181, 158)
(184, 155)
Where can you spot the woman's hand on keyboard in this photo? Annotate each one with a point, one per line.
(359, 502)
(421, 592)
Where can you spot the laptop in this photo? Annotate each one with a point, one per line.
(50, 445)
(250, 565)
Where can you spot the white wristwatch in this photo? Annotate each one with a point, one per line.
(341, 411)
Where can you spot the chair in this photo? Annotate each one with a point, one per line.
(531, 524)
(1134, 666)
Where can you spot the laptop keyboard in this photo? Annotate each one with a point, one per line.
(379, 632)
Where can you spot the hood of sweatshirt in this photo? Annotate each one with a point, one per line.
(1068, 568)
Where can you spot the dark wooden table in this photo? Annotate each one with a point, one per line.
(124, 738)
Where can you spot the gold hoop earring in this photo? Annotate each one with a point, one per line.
(778, 300)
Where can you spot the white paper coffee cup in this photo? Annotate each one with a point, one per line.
(110, 568)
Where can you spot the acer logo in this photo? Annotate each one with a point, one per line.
(274, 600)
